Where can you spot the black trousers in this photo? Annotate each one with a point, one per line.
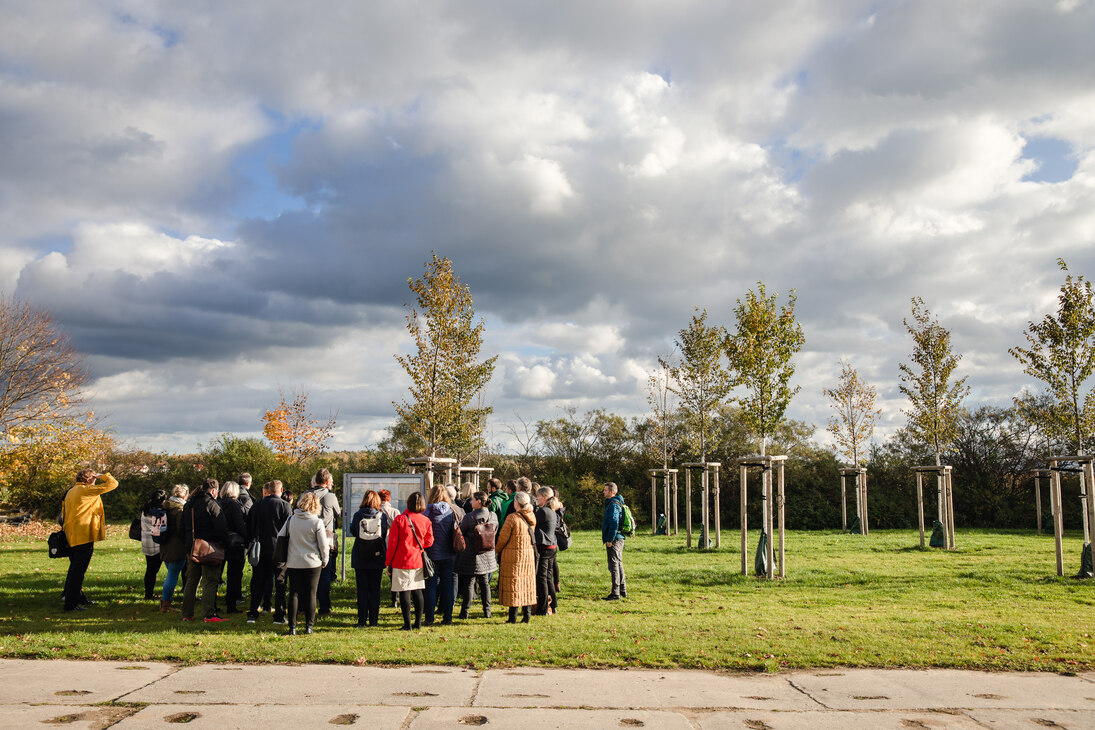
(265, 577)
(326, 578)
(233, 578)
(368, 595)
(302, 594)
(545, 581)
(152, 565)
(78, 560)
(481, 582)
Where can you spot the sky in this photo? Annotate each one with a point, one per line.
(218, 200)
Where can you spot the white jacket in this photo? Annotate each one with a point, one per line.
(308, 545)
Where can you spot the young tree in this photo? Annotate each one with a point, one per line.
(40, 373)
(1062, 355)
(295, 433)
(446, 373)
(934, 400)
(700, 380)
(659, 394)
(760, 353)
(853, 401)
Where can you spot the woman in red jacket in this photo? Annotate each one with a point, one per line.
(410, 534)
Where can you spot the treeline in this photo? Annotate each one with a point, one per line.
(993, 459)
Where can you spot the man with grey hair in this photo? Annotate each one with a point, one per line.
(614, 541)
(329, 513)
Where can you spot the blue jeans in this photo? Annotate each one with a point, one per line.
(174, 568)
(442, 578)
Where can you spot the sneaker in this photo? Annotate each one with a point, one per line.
(252, 619)
(280, 622)
(611, 597)
(214, 619)
(187, 618)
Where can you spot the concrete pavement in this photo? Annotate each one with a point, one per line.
(147, 694)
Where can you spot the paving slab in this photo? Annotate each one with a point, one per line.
(604, 688)
(69, 716)
(231, 717)
(523, 719)
(836, 720)
(893, 689)
(1034, 719)
(311, 684)
(67, 682)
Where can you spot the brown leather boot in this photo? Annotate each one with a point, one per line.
(165, 607)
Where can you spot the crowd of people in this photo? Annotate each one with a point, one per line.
(445, 545)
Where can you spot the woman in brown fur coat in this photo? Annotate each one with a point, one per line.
(517, 560)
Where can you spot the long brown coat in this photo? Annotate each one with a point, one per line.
(516, 560)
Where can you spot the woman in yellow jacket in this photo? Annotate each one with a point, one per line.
(84, 522)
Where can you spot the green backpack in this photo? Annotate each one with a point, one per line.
(627, 522)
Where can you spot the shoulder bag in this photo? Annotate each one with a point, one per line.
(57, 542)
(427, 565)
(458, 542)
(203, 552)
(135, 529)
(281, 547)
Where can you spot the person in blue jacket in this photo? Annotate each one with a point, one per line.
(614, 541)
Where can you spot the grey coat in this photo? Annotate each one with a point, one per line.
(467, 562)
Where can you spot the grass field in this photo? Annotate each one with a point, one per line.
(848, 600)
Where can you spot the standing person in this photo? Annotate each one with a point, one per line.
(308, 554)
(202, 518)
(173, 544)
(547, 549)
(464, 501)
(369, 526)
(411, 533)
(265, 522)
(235, 552)
(444, 517)
(506, 508)
(476, 564)
(560, 514)
(329, 513)
(517, 560)
(245, 499)
(496, 495)
(153, 521)
(390, 513)
(614, 541)
(84, 521)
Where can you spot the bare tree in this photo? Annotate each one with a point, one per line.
(41, 374)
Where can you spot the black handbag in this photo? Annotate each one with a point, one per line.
(135, 529)
(58, 545)
(427, 565)
(281, 547)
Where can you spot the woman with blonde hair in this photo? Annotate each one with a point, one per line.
(517, 560)
(308, 552)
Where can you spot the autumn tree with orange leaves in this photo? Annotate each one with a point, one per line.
(294, 432)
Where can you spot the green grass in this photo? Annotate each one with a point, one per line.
(875, 601)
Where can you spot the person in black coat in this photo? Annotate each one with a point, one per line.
(264, 522)
(367, 558)
(245, 494)
(202, 518)
(547, 546)
(235, 552)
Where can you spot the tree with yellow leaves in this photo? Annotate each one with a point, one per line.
(853, 401)
(447, 376)
(294, 432)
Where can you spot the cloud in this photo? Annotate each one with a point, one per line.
(215, 200)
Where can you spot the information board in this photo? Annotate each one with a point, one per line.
(354, 487)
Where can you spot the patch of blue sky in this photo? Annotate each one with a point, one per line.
(1055, 159)
(261, 195)
(168, 36)
(794, 162)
